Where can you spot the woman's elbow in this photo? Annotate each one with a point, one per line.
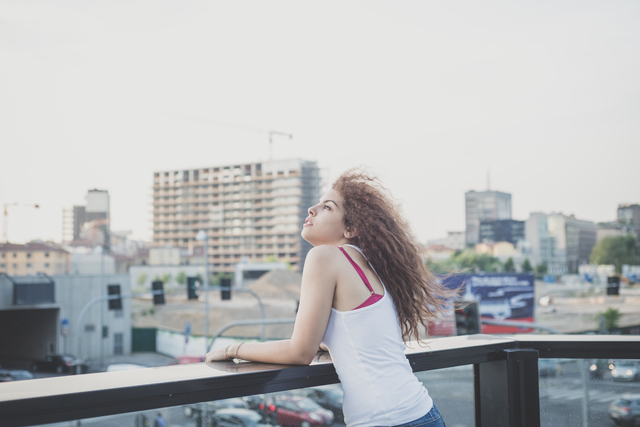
(304, 357)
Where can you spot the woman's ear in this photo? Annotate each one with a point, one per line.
(350, 233)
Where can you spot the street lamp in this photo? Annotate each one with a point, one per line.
(202, 236)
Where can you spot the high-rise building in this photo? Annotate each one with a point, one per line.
(562, 242)
(250, 211)
(630, 215)
(96, 213)
(484, 206)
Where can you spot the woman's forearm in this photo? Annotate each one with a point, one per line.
(282, 352)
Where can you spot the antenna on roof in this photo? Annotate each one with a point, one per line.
(488, 180)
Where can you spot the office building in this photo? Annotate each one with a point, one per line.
(251, 211)
(90, 221)
(502, 230)
(630, 215)
(484, 206)
(562, 242)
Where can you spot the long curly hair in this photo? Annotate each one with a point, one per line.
(385, 237)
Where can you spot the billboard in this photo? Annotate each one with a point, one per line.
(501, 296)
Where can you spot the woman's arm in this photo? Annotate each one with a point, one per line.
(319, 280)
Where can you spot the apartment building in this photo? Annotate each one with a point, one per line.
(33, 258)
(250, 211)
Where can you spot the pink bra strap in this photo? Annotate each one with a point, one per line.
(358, 269)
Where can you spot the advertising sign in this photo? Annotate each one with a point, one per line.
(501, 296)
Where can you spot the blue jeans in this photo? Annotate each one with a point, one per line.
(431, 419)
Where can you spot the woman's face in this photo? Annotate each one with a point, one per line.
(325, 223)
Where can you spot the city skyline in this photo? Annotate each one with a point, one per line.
(431, 96)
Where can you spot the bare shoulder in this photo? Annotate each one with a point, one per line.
(322, 256)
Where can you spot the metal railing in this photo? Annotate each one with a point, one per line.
(506, 388)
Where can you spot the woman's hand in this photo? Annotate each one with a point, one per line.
(216, 356)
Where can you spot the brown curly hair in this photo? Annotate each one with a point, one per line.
(386, 239)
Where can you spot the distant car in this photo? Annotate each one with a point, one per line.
(216, 405)
(296, 411)
(183, 360)
(598, 368)
(626, 370)
(15, 375)
(329, 397)
(548, 367)
(236, 417)
(59, 363)
(626, 409)
(124, 367)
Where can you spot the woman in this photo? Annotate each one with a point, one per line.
(359, 314)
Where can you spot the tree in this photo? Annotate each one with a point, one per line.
(471, 260)
(618, 250)
(509, 267)
(526, 266)
(142, 279)
(181, 278)
(166, 278)
(611, 317)
(541, 270)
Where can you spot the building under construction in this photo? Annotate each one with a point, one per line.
(251, 211)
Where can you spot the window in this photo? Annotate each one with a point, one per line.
(28, 255)
(46, 254)
(3, 255)
(28, 265)
(15, 255)
(118, 348)
(46, 265)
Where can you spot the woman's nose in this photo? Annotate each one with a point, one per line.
(311, 211)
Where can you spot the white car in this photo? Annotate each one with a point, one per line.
(626, 370)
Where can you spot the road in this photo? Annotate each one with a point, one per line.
(561, 399)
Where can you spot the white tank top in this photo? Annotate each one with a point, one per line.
(367, 350)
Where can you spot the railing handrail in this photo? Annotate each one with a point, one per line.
(84, 396)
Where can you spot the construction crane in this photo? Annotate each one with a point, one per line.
(242, 127)
(5, 218)
(271, 133)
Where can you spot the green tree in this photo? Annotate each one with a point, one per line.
(541, 270)
(142, 279)
(181, 278)
(509, 266)
(611, 317)
(526, 266)
(618, 250)
(471, 260)
(166, 278)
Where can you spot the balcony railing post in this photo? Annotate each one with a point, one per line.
(507, 391)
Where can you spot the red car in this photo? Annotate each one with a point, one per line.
(297, 411)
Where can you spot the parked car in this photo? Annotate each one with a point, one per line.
(328, 396)
(296, 411)
(548, 367)
(626, 409)
(626, 370)
(59, 363)
(236, 417)
(15, 375)
(216, 405)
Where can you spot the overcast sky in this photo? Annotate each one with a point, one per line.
(430, 95)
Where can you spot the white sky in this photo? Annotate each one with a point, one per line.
(430, 95)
